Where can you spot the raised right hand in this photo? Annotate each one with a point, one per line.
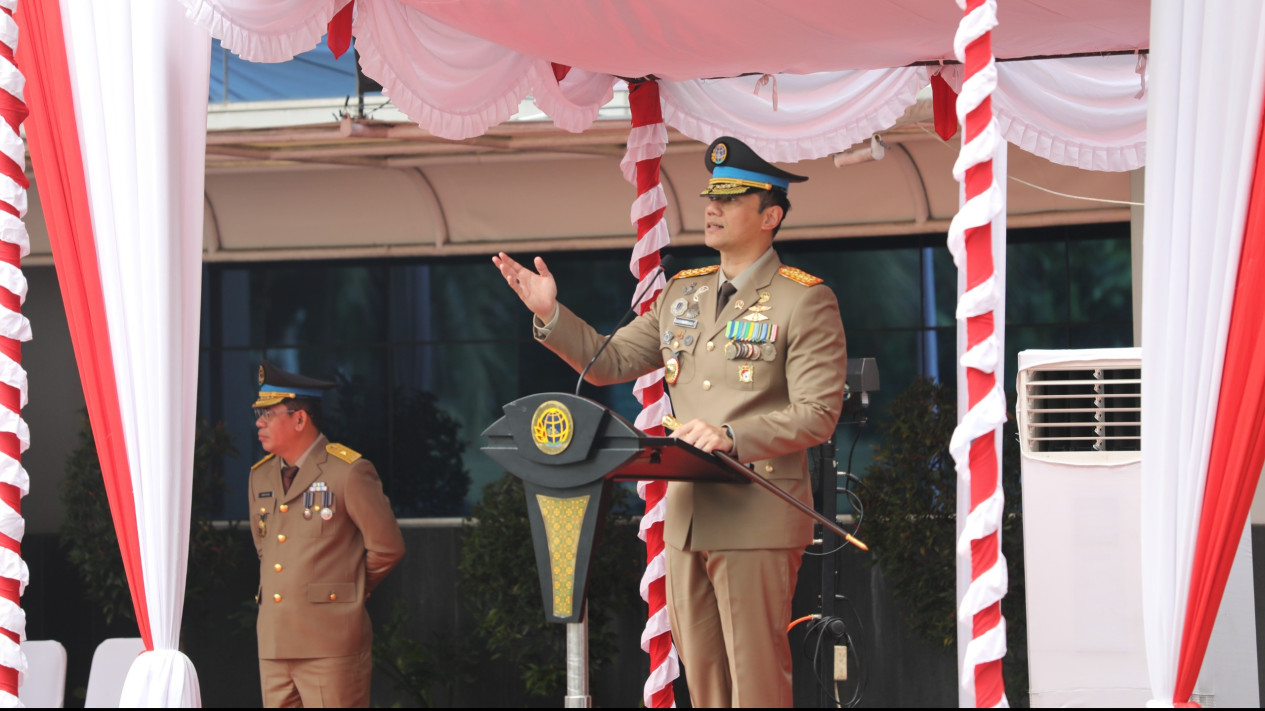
(537, 289)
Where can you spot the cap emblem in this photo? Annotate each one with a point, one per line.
(719, 153)
(261, 375)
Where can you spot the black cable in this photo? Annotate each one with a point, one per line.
(852, 450)
(820, 627)
(854, 500)
(837, 629)
(863, 679)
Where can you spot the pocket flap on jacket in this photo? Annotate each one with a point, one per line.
(331, 592)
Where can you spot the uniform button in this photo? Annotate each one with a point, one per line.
(768, 468)
(707, 385)
(281, 538)
(711, 346)
(263, 510)
(284, 507)
(277, 567)
(276, 597)
(333, 597)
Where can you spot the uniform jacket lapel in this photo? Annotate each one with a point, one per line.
(309, 473)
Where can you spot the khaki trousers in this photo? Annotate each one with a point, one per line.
(729, 610)
(328, 682)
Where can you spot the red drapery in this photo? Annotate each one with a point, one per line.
(1238, 448)
(58, 162)
(643, 100)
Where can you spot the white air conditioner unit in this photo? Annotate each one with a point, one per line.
(1080, 430)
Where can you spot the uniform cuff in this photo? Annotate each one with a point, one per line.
(540, 329)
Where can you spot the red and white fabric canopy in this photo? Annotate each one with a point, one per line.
(460, 68)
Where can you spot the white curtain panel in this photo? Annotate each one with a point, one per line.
(140, 71)
(1203, 115)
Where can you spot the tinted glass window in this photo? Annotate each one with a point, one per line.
(427, 352)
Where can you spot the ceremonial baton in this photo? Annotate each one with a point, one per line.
(672, 423)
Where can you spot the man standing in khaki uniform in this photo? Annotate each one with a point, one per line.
(755, 361)
(326, 537)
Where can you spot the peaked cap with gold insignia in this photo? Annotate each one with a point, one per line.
(737, 170)
(277, 385)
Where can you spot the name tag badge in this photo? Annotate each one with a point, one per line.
(265, 494)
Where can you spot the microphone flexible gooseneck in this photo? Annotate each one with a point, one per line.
(662, 269)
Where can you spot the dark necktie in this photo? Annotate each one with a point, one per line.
(726, 290)
(287, 477)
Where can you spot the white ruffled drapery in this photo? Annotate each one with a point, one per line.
(791, 117)
(1208, 73)
(1086, 112)
(139, 71)
(456, 83)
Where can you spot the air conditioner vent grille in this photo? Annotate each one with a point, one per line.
(1083, 410)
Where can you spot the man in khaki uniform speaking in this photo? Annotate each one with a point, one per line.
(326, 537)
(755, 360)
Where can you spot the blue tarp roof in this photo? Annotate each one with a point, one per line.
(314, 74)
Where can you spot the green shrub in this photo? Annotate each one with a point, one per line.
(88, 537)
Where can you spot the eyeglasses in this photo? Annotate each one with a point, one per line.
(267, 415)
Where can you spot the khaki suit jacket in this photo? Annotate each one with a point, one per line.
(788, 404)
(314, 573)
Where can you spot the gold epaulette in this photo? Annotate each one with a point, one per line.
(696, 272)
(799, 275)
(261, 461)
(343, 453)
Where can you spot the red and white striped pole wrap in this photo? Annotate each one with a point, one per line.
(647, 143)
(976, 442)
(14, 328)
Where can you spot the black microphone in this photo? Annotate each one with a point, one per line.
(663, 267)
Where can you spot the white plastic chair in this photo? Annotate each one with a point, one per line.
(109, 668)
(44, 684)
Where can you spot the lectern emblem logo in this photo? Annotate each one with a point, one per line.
(552, 427)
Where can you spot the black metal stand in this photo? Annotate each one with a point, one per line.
(823, 468)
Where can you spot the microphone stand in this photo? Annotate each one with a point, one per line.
(578, 632)
(661, 269)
